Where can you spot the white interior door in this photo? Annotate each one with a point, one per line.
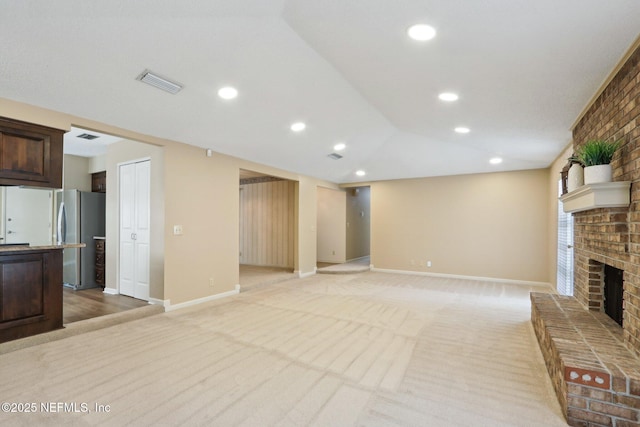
(135, 188)
(28, 216)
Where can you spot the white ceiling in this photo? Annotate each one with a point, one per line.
(78, 146)
(524, 71)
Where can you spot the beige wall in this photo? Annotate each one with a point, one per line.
(487, 225)
(98, 163)
(76, 173)
(201, 194)
(331, 242)
(483, 225)
(267, 223)
(358, 222)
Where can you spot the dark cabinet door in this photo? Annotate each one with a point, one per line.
(99, 182)
(30, 293)
(100, 252)
(21, 286)
(30, 154)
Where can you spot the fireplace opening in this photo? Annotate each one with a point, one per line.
(613, 293)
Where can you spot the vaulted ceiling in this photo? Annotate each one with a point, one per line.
(523, 70)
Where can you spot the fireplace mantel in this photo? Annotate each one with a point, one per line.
(600, 195)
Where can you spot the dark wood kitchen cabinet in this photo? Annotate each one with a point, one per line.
(100, 253)
(30, 292)
(99, 182)
(30, 154)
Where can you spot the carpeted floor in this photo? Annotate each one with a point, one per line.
(371, 349)
(359, 265)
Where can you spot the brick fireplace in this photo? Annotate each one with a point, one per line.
(591, 341)
(611, 237)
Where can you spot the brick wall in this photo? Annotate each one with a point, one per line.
(612, 236)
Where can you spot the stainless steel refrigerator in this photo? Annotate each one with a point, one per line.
(81, 217)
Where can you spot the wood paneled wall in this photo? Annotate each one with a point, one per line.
(267, 223)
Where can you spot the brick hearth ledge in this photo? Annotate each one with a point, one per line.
(596, 378)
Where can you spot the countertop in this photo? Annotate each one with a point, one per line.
(40, 248)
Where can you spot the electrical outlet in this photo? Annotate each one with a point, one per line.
(177, 230)
(428, 263)
(211, 282)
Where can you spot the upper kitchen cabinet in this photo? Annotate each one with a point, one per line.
(99, 182)
(30, 154)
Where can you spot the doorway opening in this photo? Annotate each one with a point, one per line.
(91, 165)
(343, 230)
(267, 229)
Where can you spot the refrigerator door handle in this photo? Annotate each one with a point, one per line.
(62, 225)
(134, 236)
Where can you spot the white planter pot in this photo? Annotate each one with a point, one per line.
(597, 173)
(575, 179)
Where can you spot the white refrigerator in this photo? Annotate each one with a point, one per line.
(81, 217)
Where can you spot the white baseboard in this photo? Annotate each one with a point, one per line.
(457, 276)
(110, 291)
(162, 302)
(302, 275)
(170, 307)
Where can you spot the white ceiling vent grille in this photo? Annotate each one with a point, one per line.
(159, 82)
(334, 156)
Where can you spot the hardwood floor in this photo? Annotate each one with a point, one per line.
(90, 303)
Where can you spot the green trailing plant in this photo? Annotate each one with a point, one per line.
(597, 152)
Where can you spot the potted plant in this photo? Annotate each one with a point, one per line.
(596, 157)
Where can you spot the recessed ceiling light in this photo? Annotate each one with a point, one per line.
(361, 173)
(228, 92)
(298, 126)
(495, 161)
(462, 129)
(448, 96)
(339, 147)
(421, 32)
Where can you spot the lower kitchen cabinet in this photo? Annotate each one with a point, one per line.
(100, 252)
(30, 292)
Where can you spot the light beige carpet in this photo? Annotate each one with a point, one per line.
(371, 349)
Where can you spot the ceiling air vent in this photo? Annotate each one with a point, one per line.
(87, 136)
(159, 82)
(334, 156)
